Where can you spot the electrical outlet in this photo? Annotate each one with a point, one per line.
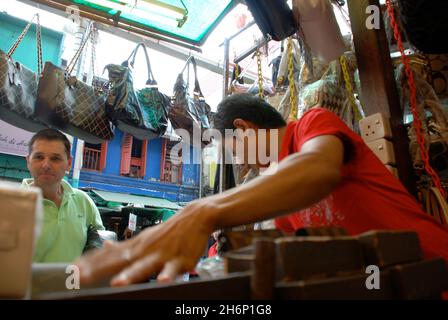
(384, 150)
(375, 127)
(393, 170)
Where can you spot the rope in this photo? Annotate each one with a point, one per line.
(417, 123)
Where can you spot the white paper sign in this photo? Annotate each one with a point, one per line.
(132, 222)
(13, 140)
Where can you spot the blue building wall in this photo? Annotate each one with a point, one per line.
(111, 180)
(190, 172)
(154, 159)
(114, 154)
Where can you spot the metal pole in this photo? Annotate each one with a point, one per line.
(226, 76)
(250, 24)
(226, 71)
(248, 52)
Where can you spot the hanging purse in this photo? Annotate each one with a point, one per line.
(71, 105)
(18, 86)
(438, 65)
(434, 127)
(425, 24)
(330, 91)
(141, 113)
(319, 28)
(191, 114)
(434, 203)
(273, 17)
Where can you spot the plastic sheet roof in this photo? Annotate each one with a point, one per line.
(203, 16)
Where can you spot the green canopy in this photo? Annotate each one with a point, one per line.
(135, 199)
(196, 18)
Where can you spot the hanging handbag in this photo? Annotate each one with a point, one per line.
(319, 28)
(18, 86)
(70, 105)
(438, 65)
(434, 127)
(190, 114)
(425, 24)
(434, 203)
(141, 113)
(273, 17)
(330, 90)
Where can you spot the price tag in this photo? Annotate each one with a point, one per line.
(132, 222)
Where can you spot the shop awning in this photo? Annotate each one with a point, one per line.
(189, 21)
(136, 200)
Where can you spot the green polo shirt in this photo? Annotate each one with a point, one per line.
(63, 233)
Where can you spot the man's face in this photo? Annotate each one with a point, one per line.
(246, 147)
(48, 162)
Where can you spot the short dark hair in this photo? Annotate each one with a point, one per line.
(50, 135)
(249, 108)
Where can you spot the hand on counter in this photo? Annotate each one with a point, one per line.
(166, 250)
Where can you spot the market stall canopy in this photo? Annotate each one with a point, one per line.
(188, 21)
(134, 199)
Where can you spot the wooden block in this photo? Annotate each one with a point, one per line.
(337, 288)
(262, 282)
(301, 258)
(420, 280)
(322, 231)
(233, 240)
(375, 127)
(384, 150)
(239, 260)
(385, 248)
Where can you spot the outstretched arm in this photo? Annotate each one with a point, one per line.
(174, 247)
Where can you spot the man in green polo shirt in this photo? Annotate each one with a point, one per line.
(68, 212)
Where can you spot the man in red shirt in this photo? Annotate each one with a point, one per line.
(326, 175)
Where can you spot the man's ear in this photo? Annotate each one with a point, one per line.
(243, 124)
(70, 163)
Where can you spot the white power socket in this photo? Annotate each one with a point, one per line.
(375, 127)
(384, 150)
(393, 170)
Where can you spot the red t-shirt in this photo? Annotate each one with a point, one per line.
(368, 197)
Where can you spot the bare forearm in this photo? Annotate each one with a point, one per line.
(300, 181)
